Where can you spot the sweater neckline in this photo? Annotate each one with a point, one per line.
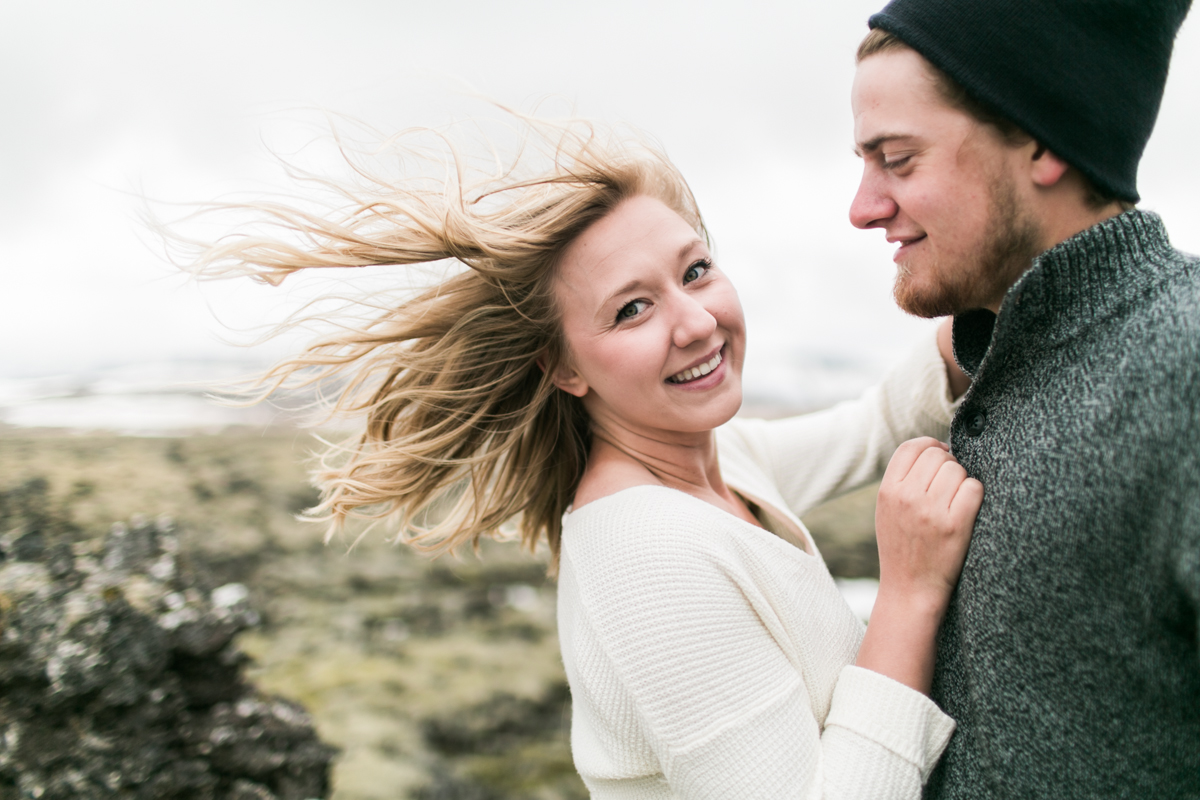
(1071, 286)
(809, 548)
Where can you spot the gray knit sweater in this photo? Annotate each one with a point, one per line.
(1070, 656)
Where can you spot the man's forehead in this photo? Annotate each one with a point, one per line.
(896, 101)
(895, 77)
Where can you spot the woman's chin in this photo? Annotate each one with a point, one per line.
(731, 406)
(712, 414)
(656, 419)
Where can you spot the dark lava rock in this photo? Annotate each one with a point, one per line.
(499, 724)
(505, 748)
(119, 679)
(451, 787)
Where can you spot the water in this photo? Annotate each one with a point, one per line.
(146, 399)
(173, 397)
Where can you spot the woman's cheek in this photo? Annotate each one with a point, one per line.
(631, 365)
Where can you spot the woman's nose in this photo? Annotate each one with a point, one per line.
(872, 205)
(693, 321)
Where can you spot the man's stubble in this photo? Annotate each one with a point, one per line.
(1007, 251)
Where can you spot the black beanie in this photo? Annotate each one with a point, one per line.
(1083, 77)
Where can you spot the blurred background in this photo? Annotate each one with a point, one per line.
(186, 101)
(435, 681)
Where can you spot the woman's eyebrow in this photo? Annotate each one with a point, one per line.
(636, 283)
(625, 289)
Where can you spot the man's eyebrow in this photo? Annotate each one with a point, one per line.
(873, 144)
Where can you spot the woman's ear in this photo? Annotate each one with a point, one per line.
(567, 379)
(564, 377)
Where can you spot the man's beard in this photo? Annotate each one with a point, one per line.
(1009, 247)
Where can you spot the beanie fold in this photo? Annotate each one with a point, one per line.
(1084, 79)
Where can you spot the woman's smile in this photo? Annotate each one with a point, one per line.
(690, 377)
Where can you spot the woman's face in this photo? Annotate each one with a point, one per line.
(654, 331)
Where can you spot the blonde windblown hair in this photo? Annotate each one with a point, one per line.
(454, 382)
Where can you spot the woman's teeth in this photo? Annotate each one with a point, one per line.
(696, 372)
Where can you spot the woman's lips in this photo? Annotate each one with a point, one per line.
(693, 374)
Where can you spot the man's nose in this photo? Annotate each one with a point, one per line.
(872, 205)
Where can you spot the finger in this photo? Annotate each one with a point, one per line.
(921, 476)
(967, 500)
(905, 456)
(944, 487)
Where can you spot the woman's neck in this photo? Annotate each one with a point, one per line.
(622, 458)
(687, 462)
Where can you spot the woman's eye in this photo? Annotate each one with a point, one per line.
(696, 271)
(631, 310)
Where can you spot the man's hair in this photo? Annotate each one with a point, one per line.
(956, 96)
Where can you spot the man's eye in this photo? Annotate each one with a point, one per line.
(696, 271)
(895, 162)
(631, 309)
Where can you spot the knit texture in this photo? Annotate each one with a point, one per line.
(709, 658)
(1069, 656)
(1083, 78)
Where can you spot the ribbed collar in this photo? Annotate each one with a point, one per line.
(1071, 286)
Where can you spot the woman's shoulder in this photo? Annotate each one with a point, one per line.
(648, 520)
(630, 510)
(652, 530)
(648, 547)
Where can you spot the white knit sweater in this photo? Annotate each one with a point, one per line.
(709, 658)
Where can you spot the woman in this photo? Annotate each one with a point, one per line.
(574, 378)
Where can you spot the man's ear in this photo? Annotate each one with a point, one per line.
(1045, 168)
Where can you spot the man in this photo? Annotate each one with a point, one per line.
(1000, 142)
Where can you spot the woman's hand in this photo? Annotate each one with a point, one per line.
(923, 520)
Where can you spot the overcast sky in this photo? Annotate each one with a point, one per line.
(182, 101)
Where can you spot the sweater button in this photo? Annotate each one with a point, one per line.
(976, 420)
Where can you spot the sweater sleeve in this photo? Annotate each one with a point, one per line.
(711, 644)
(816, 456)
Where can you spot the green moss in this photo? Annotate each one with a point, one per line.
(381, 645)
